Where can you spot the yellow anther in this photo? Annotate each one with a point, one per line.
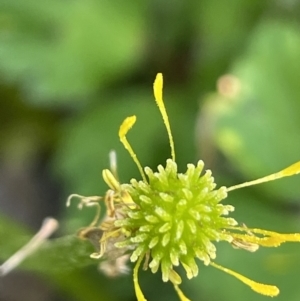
(174, 277)
(110, 180)
(158, 94)
(127, 199)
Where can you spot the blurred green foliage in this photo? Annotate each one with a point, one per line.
(71, 71)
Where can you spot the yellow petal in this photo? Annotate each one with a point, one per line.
(276, 239)
(181, 295)
(124, 128)
(270, 239)
(282, 236)
(264, 289)
(138, 292)
(289, 171)
(158, 94)
(158, 89)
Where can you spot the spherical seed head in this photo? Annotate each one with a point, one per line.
(177, 218)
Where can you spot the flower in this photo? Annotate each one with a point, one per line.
(169, 218)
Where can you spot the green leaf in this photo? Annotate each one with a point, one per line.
(257, 129)
(61, 51)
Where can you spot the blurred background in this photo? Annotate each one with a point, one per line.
(72, 70)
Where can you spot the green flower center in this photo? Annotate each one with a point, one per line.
(176, 218)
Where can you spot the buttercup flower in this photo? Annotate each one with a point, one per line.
(169, 218)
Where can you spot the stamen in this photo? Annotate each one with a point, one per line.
(239, 243)
(84, 200)
(289, 171)
(181, 296)
(174, 277)
(138, 291)
(110, 180)
(264, 289)
(124, 128)
(158, 94)
(113, 163)
(88, 201)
